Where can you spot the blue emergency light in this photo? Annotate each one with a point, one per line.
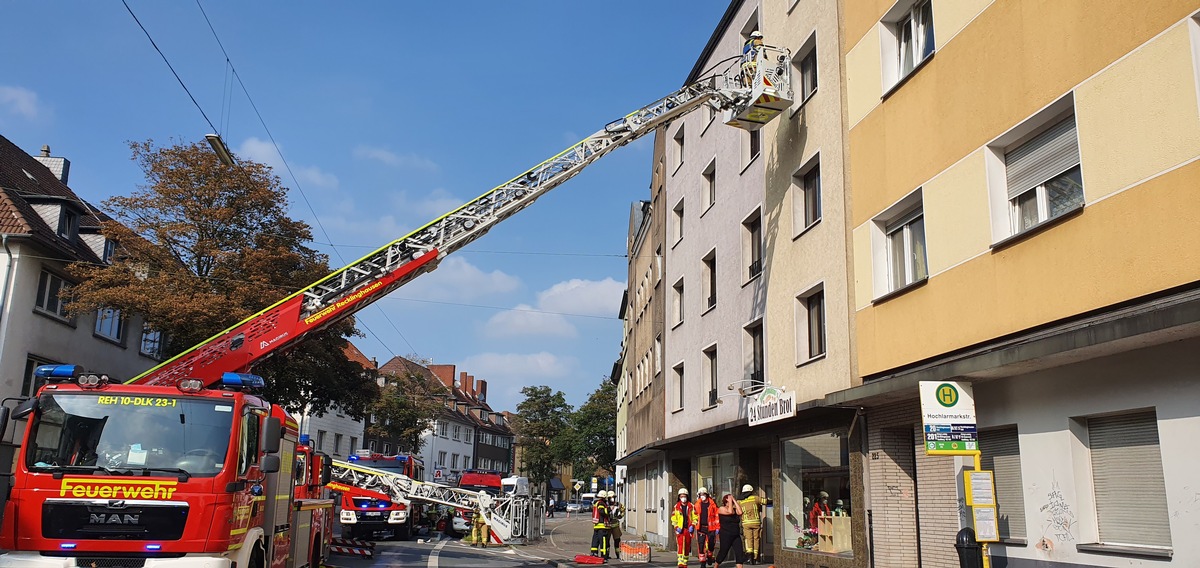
(51, 372)
(352, 458)
(242, 380)
(304, 439)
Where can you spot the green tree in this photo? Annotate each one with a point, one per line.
(406, 408)
(594, 432)
(203, 246)
(541, 417)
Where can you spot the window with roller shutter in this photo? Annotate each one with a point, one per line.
(1127, 480)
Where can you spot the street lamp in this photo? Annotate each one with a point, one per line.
(220, 148)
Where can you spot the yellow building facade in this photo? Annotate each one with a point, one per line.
(1025, 217)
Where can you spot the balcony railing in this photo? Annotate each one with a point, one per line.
(755, 268)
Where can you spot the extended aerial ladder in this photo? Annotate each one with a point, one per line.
(747, 104)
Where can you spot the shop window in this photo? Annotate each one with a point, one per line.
(718, 474)
(815, 480)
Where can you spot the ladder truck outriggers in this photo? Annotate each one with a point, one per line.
(184, 465)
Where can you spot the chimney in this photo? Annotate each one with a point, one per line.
(60, 167)
(481, 393)
(468, 383)
(444, 373)
(374, 363)
(462, 381)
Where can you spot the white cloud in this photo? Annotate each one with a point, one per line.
(524, 321)
(263, 151)
(428, 206)
(571, 297)
(457, 280)
(20, 101)
(405, 161)
(525, 367)
(584, 297)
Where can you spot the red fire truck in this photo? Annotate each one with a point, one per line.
(184, 465)
(365, 512)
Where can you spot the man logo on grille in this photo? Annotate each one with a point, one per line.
(114, 519)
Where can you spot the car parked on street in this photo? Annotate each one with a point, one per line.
(574, 507)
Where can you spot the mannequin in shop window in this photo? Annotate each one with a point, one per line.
(820, 508)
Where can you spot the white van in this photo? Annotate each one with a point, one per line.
(510, 486)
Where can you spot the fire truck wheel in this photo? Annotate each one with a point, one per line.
(402, 533)
(314, 558)
(258, 557)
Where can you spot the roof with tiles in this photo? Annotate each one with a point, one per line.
(25, 181)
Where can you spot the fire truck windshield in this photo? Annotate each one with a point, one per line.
(126, 434)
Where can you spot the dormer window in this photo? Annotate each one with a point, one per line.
(68, 224)
(110, 250)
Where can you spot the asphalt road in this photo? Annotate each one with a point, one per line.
(446, 553)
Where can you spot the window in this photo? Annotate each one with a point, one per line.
(710, 280)
(810, 324)
(457, 432)
(152, 343)
(467, 435)
(321, 440)
(387, 449)
(677, 217)
(807, 75)
(657, 355)
(717, 472)
(679, 382)
(816, 469)
(755, 145)
(677, 294)
(248, 440)
(710, 364)
(337, 444)
(110, 249)
(31, 384)
(68, 223)
(806, 202)
(709, 189)
(752, 233)
(371, 446)
(914, 36)
(441, 428)
(679, 146)
(906, 249)
(109, 324)
(1127, 479)
(454, 461)
(50, 286)
(441, 459)
(1001, 455)
(353, 444)
(466, 462)
(1043, 177)
(754, 333)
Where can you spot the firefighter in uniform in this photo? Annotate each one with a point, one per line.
(752, 514)
(479, 530)
(600, 520)
(684, 519)
(708, 528)
(616, 512)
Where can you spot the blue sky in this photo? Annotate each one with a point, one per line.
(389, 114)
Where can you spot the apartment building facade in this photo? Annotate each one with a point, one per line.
(335, 432)
(641, 389)
(45, 226)
(1024, 220)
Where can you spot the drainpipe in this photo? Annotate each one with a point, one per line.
(8, 284)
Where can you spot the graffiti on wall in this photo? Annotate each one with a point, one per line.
(1058, 520)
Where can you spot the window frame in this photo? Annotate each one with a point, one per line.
(104, 329)
(677, 296)
(709, 187)
(808, 76)
(710, 361)
(44, 296)
(677, 215)
(158, 342)
(680, 146)
(709, 278)
(752, 244)
(757, 353)
(680, 383)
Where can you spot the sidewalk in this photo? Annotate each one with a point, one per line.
(567, 537)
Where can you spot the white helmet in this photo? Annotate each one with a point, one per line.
(702, 491)
(755, 34)
(605, 494)
(747, 487)
(683, 491)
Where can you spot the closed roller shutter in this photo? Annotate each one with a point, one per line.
(1002, 455)
(1131, 501)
